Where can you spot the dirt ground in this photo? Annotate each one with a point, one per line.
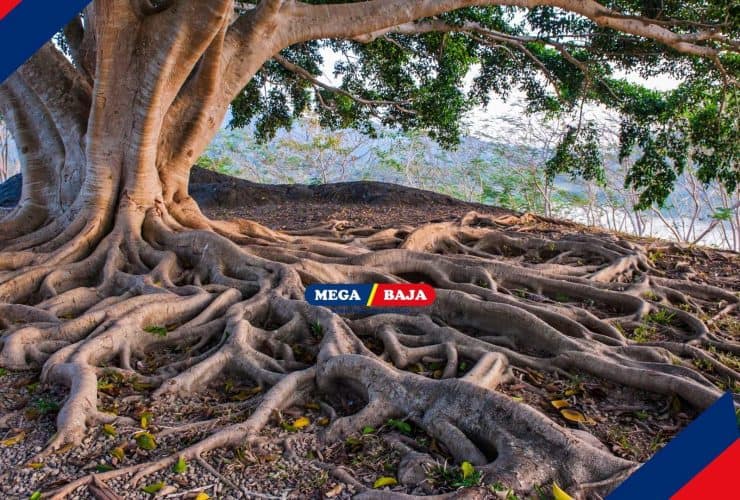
(291, 463)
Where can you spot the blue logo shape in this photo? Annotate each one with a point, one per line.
(685, 456)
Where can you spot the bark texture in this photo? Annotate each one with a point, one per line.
(106, 244)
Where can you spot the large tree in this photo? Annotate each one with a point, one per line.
(106, 245)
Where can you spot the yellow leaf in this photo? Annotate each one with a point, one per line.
(384, 481)
(312, 406)
(202, 496)
(118, 452)
(301, 422)
(36, 465)
(467, 469)
(560, 403)
(109, 430)
(12, 441)
(576, 416)
(323, 421)
(145, 420)
(560, 494)
(518, 399)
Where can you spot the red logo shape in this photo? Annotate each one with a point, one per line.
(403, 295)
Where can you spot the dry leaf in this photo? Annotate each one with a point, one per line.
(109, 430)
(576, 416)
(334, 491)
(202, 496)
(560, 403)
(12, 441)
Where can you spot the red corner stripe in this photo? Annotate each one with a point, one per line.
(6, 6)
(717, 480)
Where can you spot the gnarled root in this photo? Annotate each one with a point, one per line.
(232, 296)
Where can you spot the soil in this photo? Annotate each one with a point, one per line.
(291, 463)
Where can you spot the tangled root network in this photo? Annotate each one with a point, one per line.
(509, 302)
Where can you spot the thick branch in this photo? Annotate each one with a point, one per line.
(311, 22)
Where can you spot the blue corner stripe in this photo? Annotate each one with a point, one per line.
(31, 24)
(685, 456)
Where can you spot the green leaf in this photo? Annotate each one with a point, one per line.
(400, 425)
(153, 488)
(36, 495)
(158, 330)
(104, 468)
(180, 466)
(109, 430)
(368, 430)
(145, 441)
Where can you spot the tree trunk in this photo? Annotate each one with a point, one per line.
(106, 244)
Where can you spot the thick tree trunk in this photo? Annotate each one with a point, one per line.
(107, 243)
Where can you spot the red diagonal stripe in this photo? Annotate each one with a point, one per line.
(717, 480)
(6, 6)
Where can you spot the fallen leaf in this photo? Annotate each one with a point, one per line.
(467, 469)
(334, 491)
(400, 425)
(559, 494)
(109, 430)
(323, 421)
(560, 403)
(118, 452)
(576, 416)
(36, 465)
(368, 430)
(202, 496)
(180, 466)
(301, 422)
(145, 419)
(245, 394)
(312, 406)
(36, 495)
(145, 441)
(104, 468)
(384, 481)
(12, 441)
(153, 488)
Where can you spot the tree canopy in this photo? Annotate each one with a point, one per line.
(412, 75)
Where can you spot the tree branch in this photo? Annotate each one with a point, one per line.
(309, 22)
(303, 73)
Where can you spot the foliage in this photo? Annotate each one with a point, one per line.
(559, 61)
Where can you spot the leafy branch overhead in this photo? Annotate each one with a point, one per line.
(557, 54)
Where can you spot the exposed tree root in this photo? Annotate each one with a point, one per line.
(83, 304)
